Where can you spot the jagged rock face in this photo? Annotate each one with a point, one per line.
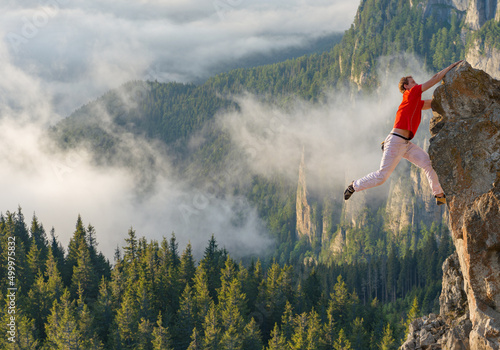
(487, 58)
(465, 152)
(305, 225)
(442, 9)
(454, 308)
(480, 11)
(453, 299)
(451, 328)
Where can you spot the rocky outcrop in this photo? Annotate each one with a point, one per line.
(465, 151)
(451, 328)
(305, 225)
(480, 11)
(475, 13)
(443, 9)
(485, 57)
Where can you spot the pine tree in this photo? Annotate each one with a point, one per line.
(26, 338)
(174, 252)
(412, 315)
(145, 333)
(211, 329)
(277, 290)
(103, 311)
(202, 297)
(212, 262)
(46, 288)
(131, 249)
(388, 342)
(20, 229)
(314, 332)
(329, 328)
(83, 274)
(252, 339)
(35, 264)
(127, 321)
(99, 262)
(57, 251)
(228, 274)
(145, 294)
(86, 324)
(250, 280)
(299, 336)
(187, 267)
(196, 341)
(39, 236)
(161, 336)
(359, 336)
(340, 303)
(342, 343)
(277, 340)
(62, 326)
(287, 322)
(231, 306)
(186, 317)
(76, 243)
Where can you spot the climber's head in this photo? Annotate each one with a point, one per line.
(406, 83)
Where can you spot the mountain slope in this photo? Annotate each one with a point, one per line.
(176, 114)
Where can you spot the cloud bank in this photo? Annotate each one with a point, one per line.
(57, 186)
(80, 49)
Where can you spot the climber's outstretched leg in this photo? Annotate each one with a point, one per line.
(420, 158)
(394, 149)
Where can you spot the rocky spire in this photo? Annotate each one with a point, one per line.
(305, 224)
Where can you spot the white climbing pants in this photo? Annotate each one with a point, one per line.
(396, 148)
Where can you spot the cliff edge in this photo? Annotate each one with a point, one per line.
(465, 152)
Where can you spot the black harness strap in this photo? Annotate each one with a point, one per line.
(393, 133)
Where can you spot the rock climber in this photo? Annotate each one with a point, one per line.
(398, 143)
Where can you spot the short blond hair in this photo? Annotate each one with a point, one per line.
(403, 82)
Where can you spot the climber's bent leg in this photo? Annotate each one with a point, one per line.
(394, 149)
(420, 158)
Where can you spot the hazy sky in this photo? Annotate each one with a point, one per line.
(79, 49)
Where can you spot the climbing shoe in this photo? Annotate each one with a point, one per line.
(349, 191)
(441, 200)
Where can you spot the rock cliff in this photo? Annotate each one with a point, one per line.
(451, 328)
(305, 223)
(480, 11)
(480, 54)
(465, 151)
(486, 58)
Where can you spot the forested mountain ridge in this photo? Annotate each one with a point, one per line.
(173, 113)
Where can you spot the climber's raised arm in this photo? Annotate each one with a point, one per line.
(427, 104)
(437, 77)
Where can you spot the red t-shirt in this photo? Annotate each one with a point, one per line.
(410, 110)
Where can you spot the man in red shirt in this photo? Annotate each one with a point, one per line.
(397, 145)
